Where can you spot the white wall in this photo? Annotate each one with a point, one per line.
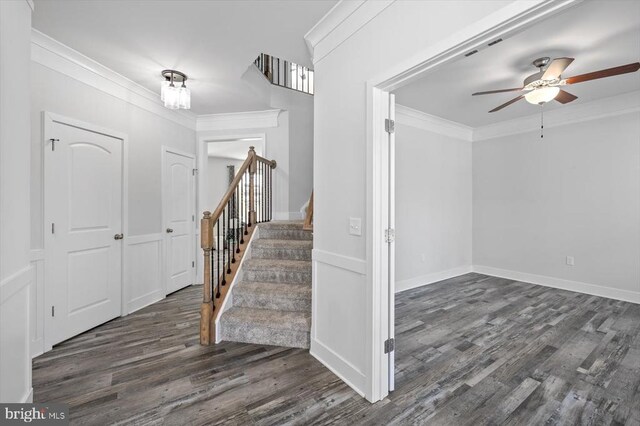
(147, 133)
(289, 142)
(433, 206)
(218, 180)
(401, 36)
(60, 85)
(575, 193)
(16, 274)
(276, 147)
(299, 107)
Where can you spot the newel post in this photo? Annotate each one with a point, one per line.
(206, 309)
(253, 166)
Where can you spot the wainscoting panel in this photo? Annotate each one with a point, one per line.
(15, 385)
(36, 303)
(143, 280)
(345, 357)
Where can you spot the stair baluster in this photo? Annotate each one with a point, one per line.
(226, 232)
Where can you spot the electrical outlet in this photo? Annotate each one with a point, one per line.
(355, 226)
(571, 261)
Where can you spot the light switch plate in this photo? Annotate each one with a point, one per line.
(355, 226)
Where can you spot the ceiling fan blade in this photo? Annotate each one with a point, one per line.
(506, 104)
(565, 97)
(497, 91)
(555, 68)
(609, 72)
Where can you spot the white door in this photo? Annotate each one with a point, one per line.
(83, 227)
(179, 219)
(391, 242)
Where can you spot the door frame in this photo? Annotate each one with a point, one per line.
(48, 120)
(380, 300)
(165, 248)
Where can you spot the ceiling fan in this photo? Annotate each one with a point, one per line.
(544, 85)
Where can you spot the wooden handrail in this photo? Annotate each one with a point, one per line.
(308, 220)
(236, 215)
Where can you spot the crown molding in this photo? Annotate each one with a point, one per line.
(238, 120)
(59, 57)
(341, 22)
(422, 120)
(569, 114)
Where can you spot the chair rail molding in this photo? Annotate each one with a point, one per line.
(238, 120)
(341, 22)
(59, 57)
(359, 266)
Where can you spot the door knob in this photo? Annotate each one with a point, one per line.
(118, 236)
(169, 230)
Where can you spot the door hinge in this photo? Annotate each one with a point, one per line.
(53, 144)
(53, 311)
(389, 345)
(193, 218)
(193, 264)
(389, 125)
(194, 171)
(389, 235)
(53, 228)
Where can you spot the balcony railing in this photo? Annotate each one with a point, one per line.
(285, 74)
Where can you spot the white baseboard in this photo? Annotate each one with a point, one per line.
(28, 398)
(339, 366)
(431, 278)
(296, 216)
(288, 216)
(559, 283)
(143, 301)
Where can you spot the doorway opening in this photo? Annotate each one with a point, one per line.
(383, 187)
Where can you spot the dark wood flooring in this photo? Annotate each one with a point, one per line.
(472, 350)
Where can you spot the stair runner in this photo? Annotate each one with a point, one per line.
(271, 304)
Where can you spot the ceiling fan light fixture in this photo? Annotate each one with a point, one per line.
(542, 95)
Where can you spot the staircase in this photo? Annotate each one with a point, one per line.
(271, 303)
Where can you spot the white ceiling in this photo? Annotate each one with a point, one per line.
(213, 42)
(234, 148)
(598, 34)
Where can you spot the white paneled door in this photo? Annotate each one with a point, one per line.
(179, 219)
(83, 230)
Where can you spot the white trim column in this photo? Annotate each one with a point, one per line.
(16, 272)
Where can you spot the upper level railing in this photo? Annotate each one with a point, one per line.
(286, 74)
(226, 232)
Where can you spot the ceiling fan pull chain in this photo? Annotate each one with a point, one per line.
(541, 121)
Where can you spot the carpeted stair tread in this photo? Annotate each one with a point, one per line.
(277, 265)
(282, 224)
(300, 291)
(267, 318)
(288, 244)
(271, 302)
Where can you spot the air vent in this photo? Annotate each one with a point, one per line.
(473, 52)
(495, 42)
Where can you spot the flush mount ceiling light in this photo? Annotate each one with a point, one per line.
(175, 97)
